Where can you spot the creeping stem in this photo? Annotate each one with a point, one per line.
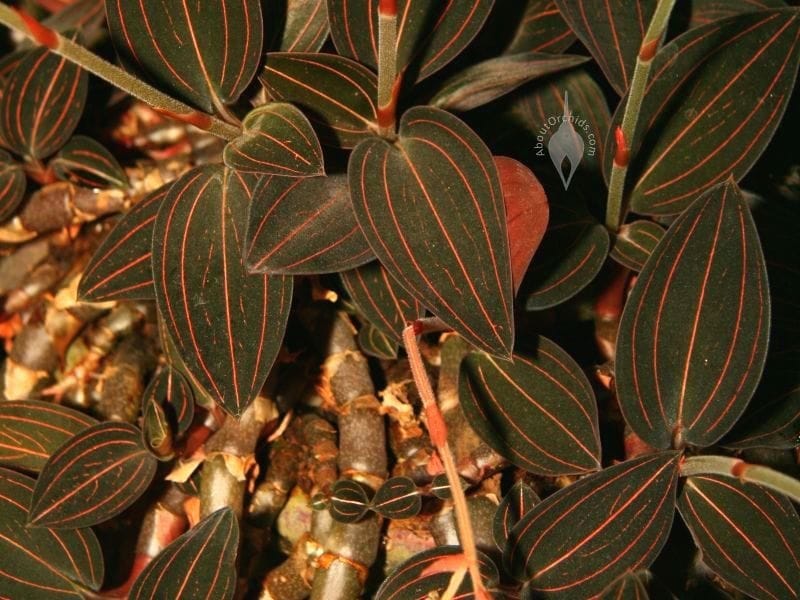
(624, 135)
(117, 77)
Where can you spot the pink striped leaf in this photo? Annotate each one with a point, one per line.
(715, 98)
(632, 586)
(541, 29)
(430, 34)
(703, 12)
(373, 342)
(227, 324)
(13, 184)
(337, 94)
(519, 500)
(42, 102)
(431, 207)
(204, 52)
(92, 478)
(381, 300)
(539, 412)
(277, 140)
(300, 25)
(635, 242)
(301, 226)
(747, 534)
(121, 267)
(31, 430)
(485, 81)
(201, 562)
(170, 390)
(578, 541)
(38, 563)
(693, 335)
(428, 573)
(612, 30)
(88, 163)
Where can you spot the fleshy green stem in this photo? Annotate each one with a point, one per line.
(387, 67)
(117, 77)
(739, 469)
(624, 135)
(438, 435)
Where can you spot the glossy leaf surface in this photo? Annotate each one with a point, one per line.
(173, 393)
(93, 477)
(429, 572)
(227, 324)
(42, 102)
(579, 540)
(715, 98)
(541, 29)
(37, 562)
(88, 163)
(277, 140)
(416, 199)
(31, 430)
(300, 25)
(630, 587)
(527, 213)
(635, 242)
(397, 498)
(693, 335)
(304, 226)
(383, 301)
(12, 185)
(572, 252)
(748, 535)
(205, 52)
(538, 412)
(121, 267)
(430, 34)
(337, 94)
(199, 563)
(349, 501)
(611, 31)
(519, 500)
(483, 82)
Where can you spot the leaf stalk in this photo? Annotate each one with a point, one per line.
(729, 466)
(624, 135)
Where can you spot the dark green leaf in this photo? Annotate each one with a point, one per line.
(302, 25)
(635, 242)
(156, 431)
(31, 430)
(612, 32)
(579, 540)
(200, 563)
(432, 209)
(715, 97)
(9, 62)
(36, 562)
(277, 140)
(440, 487)
(86, 162)
(630, 587)
(336, 93)
(704, 12)
(430, 34)
(42, 102)
(572, 253)
(429, 572)
(519, 500)
(384, 302)
(303, 226)
(373, 342)
(490, 79)
(205, 52)
(12, 185)
(397, 498)
(93, 477)
(693, 335)
(541, 29)
(349, 501)
(227, 324)
(121, 267)
(538, 412)
(170, 390)
(748, 535)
